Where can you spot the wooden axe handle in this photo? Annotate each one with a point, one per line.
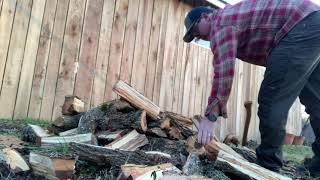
(248, 106)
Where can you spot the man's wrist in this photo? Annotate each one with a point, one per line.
(212, 117)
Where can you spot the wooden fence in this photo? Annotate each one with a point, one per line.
(53, 48)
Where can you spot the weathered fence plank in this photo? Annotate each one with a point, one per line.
(29, 59)
(42, 59)
(14, 59)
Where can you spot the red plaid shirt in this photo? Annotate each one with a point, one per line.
(248, 31)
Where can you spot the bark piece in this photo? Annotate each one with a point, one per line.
(157, 131)
(69, 132)
(56, 140)
(143, 121)
(193, 165)
(104, 156)
(72, 105)
(143, 172)
(122, 106)
(14, 160)
(89, 120)
(214, 147)
(136, 99)
(51, 168)
(33, 133)
(109, 136)
(130, 142)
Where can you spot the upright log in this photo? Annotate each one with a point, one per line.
(72, 105)
(136, 99)
(248, 106)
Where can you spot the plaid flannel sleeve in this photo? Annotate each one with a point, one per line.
(224, 48)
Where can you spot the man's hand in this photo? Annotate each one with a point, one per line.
(205, 133)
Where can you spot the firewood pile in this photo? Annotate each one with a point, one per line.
(131, 138)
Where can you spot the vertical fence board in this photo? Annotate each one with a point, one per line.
(140, 60)
(29, 59)
(88, 51)
(179, 59)
(193, 81)
(181, 81)
(103, 53)
(1, 2)
(158, 7)
(70, 52)
(42, 59)
(170, 55)
(117, 39)
(129, 41)
(160, 56)
(200, 81)
(6, 22)
(206, 83)
(14, 59)
(52, 67)
(187, 81)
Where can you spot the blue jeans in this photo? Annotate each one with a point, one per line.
(292, 70)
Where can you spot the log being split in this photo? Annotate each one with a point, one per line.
(136, 99)
(103, 156)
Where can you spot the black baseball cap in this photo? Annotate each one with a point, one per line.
(192, 18)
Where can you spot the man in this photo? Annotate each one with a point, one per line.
(284, 37)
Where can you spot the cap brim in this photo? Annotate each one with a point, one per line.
(188, 37)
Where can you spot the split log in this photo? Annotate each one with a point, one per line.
(136, 99)
(14, 160)
(130, 142)
(69, 132)
(103, 156)
(157, 132)
(142, 172)
(72, 105)
(57, 140)
(33, 133)
(110, 136)
(52, 169)
(236, 164)
(193, 165)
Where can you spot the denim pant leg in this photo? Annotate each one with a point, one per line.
(310, 97)
(289, 67)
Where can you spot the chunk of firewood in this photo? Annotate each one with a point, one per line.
(143, 121)
(104, 156)
(72, 105)
(14, 160)
(136, 99)
(157, 131)
(130, 142)
(33, 133)
(143, 172)
(229, 158)
(51, 168)
(109, 136)
(177, 117)
(64, 123)
(193, 165)
(57, 140)
(231, 139)
(174, 133)
(165, 124)
(248, 106)
(69, 132)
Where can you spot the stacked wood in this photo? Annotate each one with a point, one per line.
(72, 105)
(60, 140)
(136, 99)
(34, 133)
(13, 160)
(51, 168)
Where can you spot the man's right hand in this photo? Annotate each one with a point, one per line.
(206, 129)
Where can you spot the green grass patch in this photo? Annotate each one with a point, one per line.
(54, 151)
(14, 127)
(296, 153)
